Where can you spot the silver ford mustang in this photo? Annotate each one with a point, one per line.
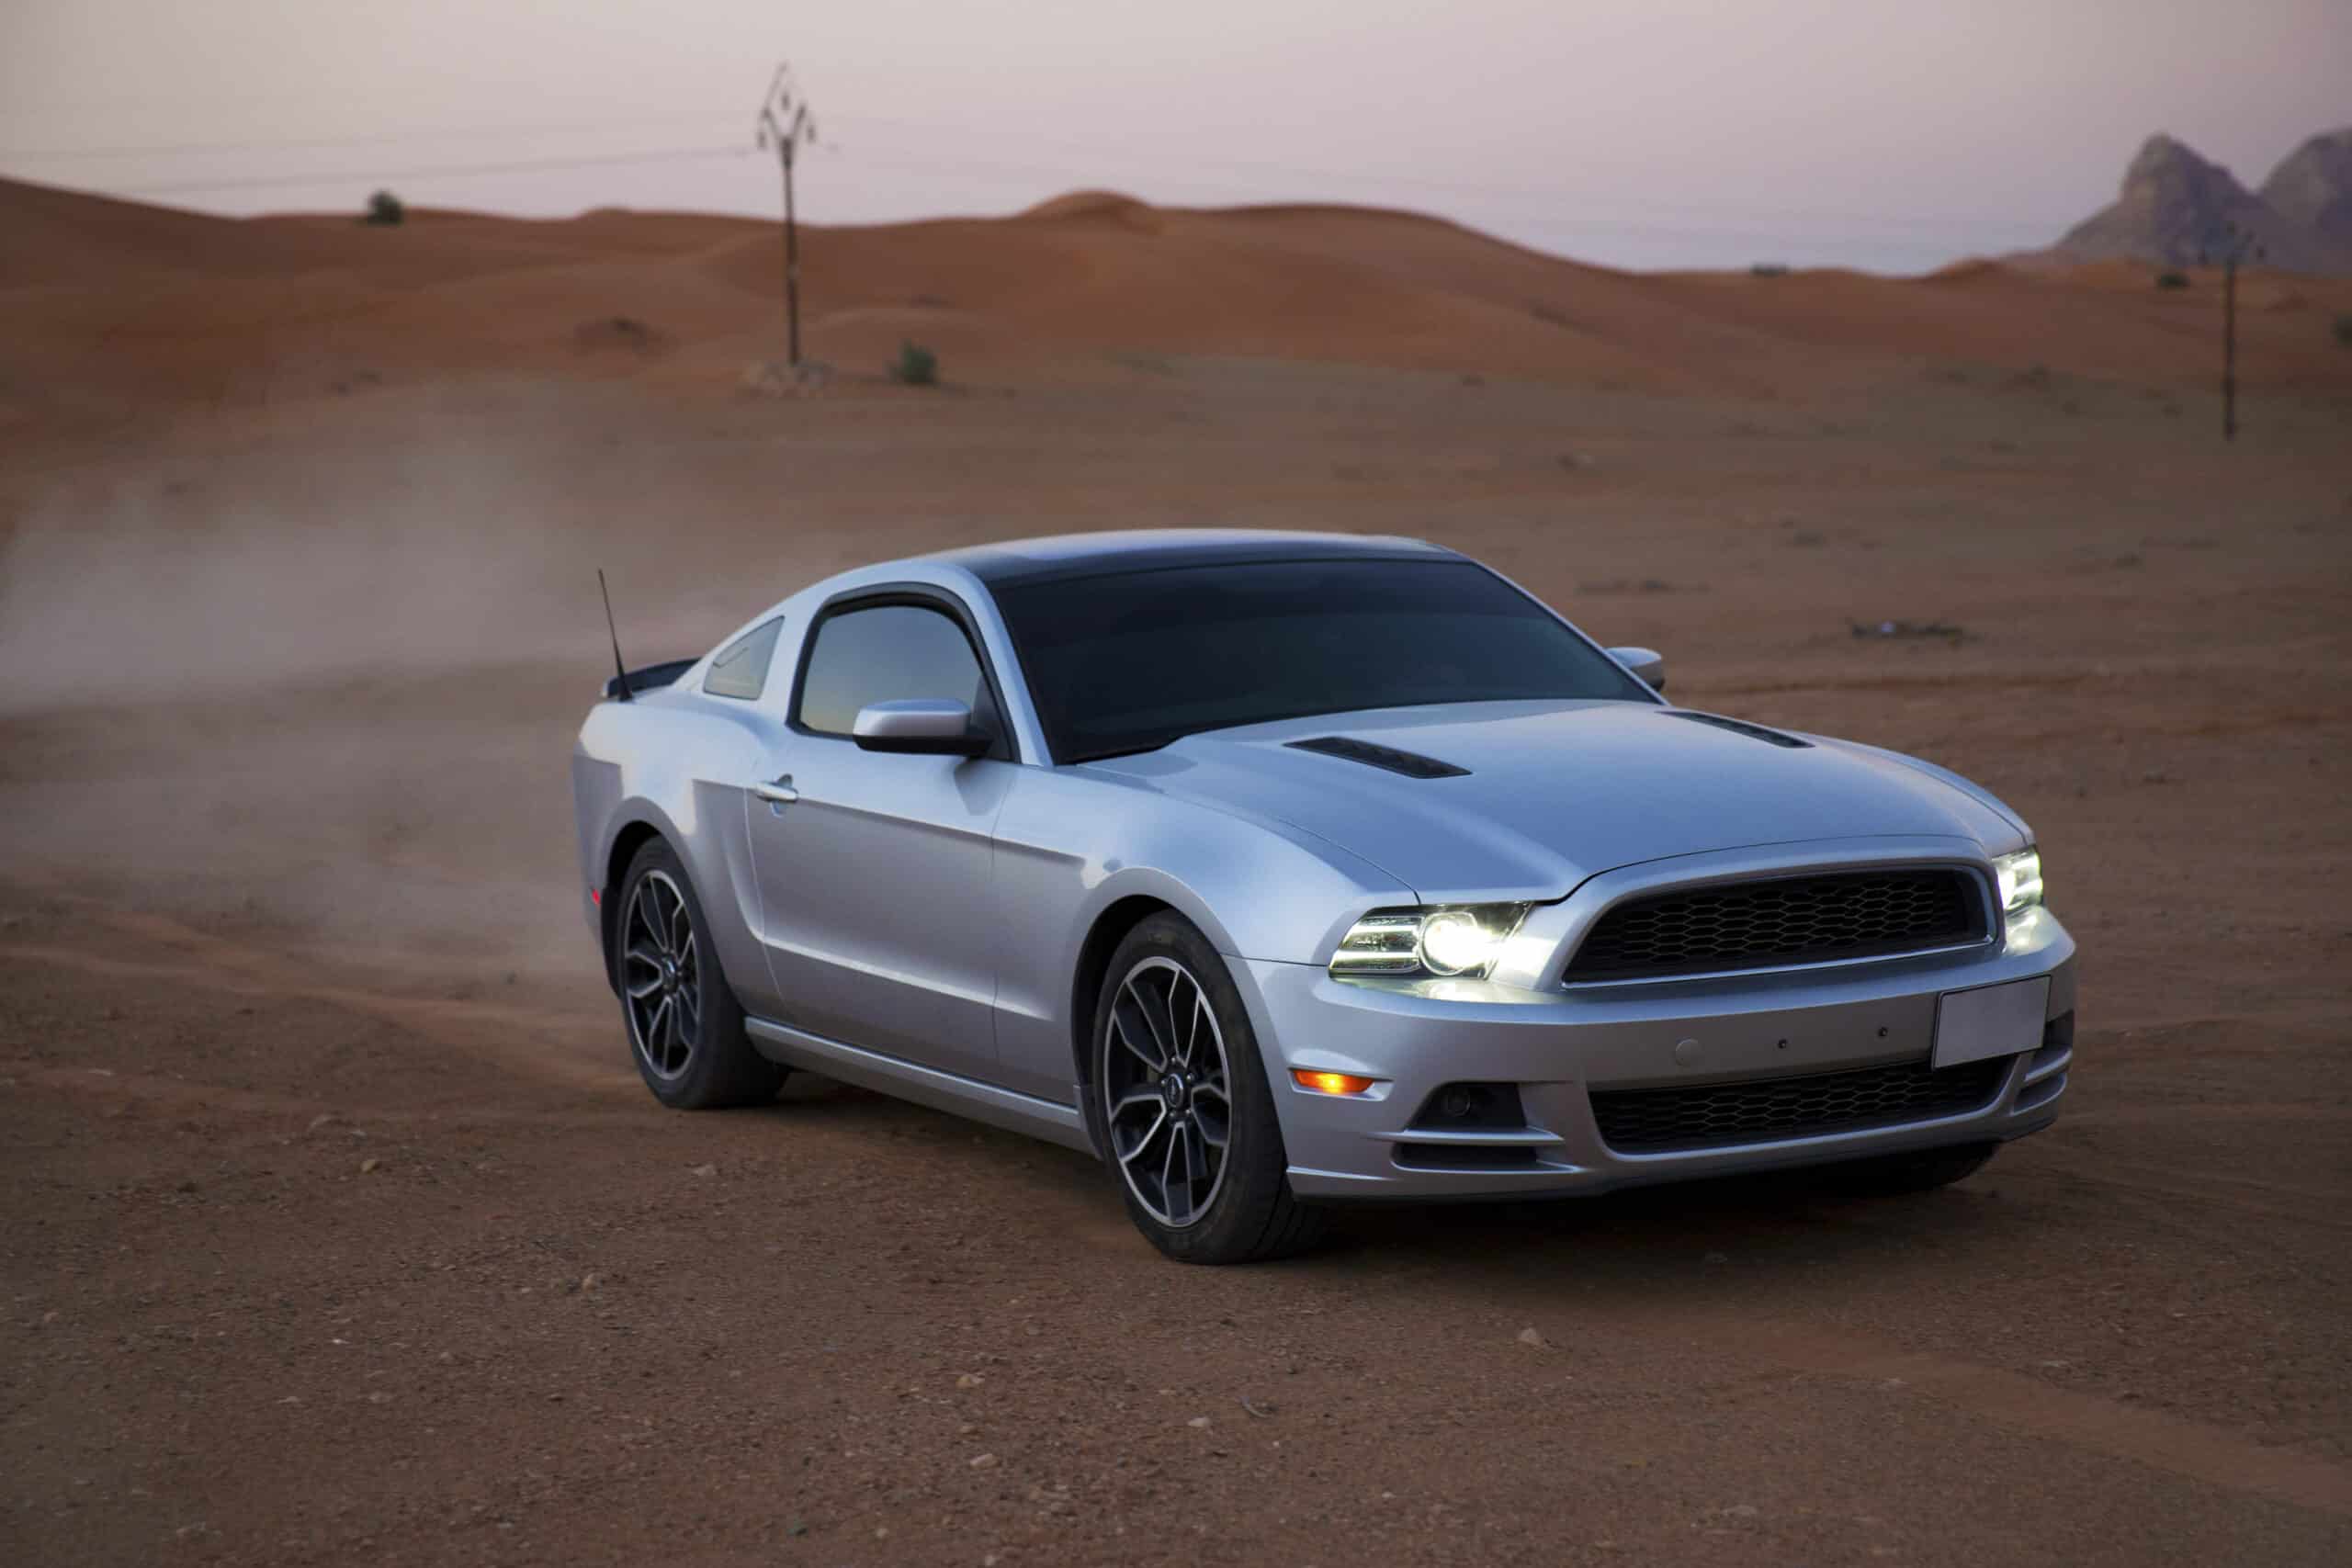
(1280, 870)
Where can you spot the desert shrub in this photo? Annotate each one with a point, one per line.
(2172, 280)
(2343, 328)
(384, 210)
(1769, 269)
(916, 365)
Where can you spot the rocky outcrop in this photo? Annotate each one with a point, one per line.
(2312, 188)
(2177, 210)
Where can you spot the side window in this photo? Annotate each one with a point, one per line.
(741, 669)
(883, 653)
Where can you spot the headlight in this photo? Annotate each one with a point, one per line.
(1457, 940)
(2019, 876)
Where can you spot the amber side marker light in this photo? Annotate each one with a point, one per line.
(1330, 1083)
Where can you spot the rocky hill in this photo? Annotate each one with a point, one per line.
(2174, 209)
(2313, 186)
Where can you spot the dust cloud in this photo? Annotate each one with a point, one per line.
(328, 696)
(440, 558)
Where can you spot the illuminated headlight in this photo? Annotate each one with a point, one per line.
(2019, 876)
(1460, 940)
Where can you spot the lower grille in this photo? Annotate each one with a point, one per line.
(1654, 1120)
(1778, 921)
(1464, 1156)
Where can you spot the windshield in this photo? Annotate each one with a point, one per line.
(1131, 662)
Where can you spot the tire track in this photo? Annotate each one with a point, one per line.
(547, 1046)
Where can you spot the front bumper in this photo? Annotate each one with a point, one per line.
(1559, 1048)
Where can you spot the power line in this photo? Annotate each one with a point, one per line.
(1550, 220)
(200, 149)
(518, 166)
(1554, 213)
(1550, 217)
(1465, 187)
(1878, 219)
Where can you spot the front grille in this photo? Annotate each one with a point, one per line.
(1792, 919)
(1654, 1120)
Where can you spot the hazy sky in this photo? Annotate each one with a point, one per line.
(1894, 134)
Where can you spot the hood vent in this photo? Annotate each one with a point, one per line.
(1406, 762)
(1740, 727)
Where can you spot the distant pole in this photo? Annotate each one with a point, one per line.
(785, 123)
(2235, 245)
(792, 265)
(2229, 348)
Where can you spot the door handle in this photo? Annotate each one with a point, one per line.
(780, 793)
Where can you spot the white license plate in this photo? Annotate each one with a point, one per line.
(1991, 1020)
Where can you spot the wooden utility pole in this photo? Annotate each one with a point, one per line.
(785, 123)
(2235, 245)
(2230, 348)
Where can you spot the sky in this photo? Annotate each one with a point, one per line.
(1894, 135)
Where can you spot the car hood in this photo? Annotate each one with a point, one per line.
(1555, 792)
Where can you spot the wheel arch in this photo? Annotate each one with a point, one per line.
(1111, 928)
(632, 836)
(1137, 892)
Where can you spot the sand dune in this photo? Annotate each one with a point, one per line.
(330, 1174)
(189, 307)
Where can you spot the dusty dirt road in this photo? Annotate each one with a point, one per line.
(336, 1228)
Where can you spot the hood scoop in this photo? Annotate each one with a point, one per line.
(1412, 764)
(1740, 727)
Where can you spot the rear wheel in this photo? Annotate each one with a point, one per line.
(1888, 1175)
(685, 1029)
(1188, 1122)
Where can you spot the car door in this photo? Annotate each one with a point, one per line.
(874, 868)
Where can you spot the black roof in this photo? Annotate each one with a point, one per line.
(1096, 554)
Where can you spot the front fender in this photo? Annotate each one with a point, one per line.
(1072, 845)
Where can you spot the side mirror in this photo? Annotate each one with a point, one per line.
(1648, 665)
(926, 727)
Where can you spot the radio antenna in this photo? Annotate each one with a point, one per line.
(620, 671)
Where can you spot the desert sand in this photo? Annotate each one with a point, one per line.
(337, 1228)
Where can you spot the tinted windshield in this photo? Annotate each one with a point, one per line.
(1132, 662)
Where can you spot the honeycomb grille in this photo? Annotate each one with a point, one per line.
(1797, 919)
(1654, 1120)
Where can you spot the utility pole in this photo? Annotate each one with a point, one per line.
(2235, 245)
(785, 123)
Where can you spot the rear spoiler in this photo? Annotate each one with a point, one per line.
(650, 677)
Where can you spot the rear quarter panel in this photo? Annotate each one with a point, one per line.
(679, 763)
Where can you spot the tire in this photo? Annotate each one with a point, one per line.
(1892, 1175)
(698, 1058)
(1168, 1010)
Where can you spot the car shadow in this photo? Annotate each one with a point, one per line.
(1731, 1232)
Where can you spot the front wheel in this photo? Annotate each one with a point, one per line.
(1187, 1121)
(685, 1028)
